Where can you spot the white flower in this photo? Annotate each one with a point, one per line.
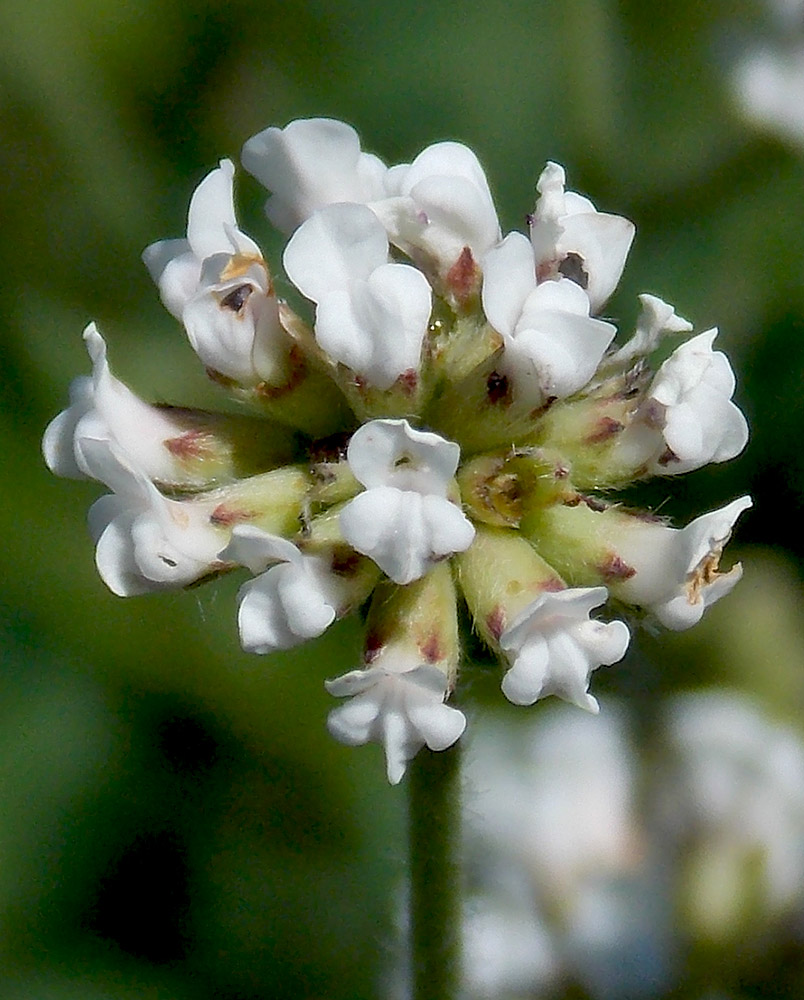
(175, 265)
(439, 204)
(372, 315)
(689, 401)
(311, 163)
(403, 520)
(673, 572)
(571, 238)
(216, 282)
(145, 541)
(398, 702)
(102, 408)
(656, 320)
(552, 346)
(296, 599)
(554, 647)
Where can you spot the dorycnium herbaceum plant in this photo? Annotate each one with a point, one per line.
(440, 437)
(443, 432)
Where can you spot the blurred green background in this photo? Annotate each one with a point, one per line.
(175, 821)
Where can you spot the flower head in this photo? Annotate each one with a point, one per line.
(437, 431)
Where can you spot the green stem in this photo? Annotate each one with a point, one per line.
(435, 874)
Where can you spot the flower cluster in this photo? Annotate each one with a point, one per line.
(450, 416)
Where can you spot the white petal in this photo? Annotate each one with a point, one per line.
(554, 647)
(261, 621)
(570, 669)
(681, 612)
(401, 708)
(232, 322)
(336, 246)
(58, 442)
(350, 684)
(401, 742)
(603, 242)
(676, 570)
(145, 541)
(105, 409)
(392, 453)
(608, 640)
(175, 265)
(284, 607)
(376, 327)
(115, 560)
(524, 682)
(157, 256)
(445, 159)
(561, 295)
(211, 210)
(222, 338)
(439, 725)
(309, 164)
(656, 320)
(710, 532)
(684, 369)
(211, 221)
(450, 204)
(509, 276)
(158, 556)
(450, 530)
(705, 427)
(105, 461)
(308, 596)
(290, 602)
(458, 215)
(388, 526)
(405, 533)
(555, 356)
(175, 269)
(353, 722)
(103, 512)
(690, 398)
(256, 549)
(566, 223)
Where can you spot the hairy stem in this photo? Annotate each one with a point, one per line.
(435, 874)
